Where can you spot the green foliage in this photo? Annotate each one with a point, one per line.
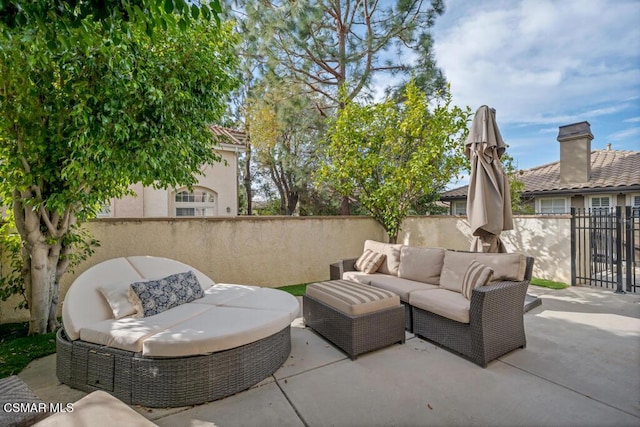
(516, 186)
(548, 283)
(79, 243)
(342, 44)
(11, 282)
(89, 120)
(387, 156)
(285, 128)
(17, 349)
(92, 100)
(55, 16)
(295, 290)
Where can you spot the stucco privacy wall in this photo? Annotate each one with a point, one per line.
(277, 251)
(546, 238)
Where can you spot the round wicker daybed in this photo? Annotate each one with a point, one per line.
(206, 349)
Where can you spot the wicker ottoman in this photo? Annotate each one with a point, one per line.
(356, 318)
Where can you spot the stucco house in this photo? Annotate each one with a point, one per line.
(214, 194)
(582, 178)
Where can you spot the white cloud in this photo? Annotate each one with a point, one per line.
(540, 61)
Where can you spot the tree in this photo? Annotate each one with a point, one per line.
(285, 130)
(516, 186)
(386, 156)
(325, 45)
(89, 106)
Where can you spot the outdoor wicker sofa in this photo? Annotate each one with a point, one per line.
(479, 319)
(210, 347)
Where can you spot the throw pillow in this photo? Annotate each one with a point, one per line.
(476, 275)
(116, 296)
(155, 296)
(369, 261)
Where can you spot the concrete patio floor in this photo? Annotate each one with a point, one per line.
(580, 368)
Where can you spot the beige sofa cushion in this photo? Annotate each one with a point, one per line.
(451, 305)
(216, 329)
(453, 269)
(391, 252)
(358, 277)
(352, 298)
(504, 266)
(128, 333)
(399, 286)
(421, 264)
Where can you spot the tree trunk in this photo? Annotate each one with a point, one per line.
(247, 179)
(40, 301)
(344, 205)
(292, 202)
(41, 263)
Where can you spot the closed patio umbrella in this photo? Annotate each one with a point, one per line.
(488, 199)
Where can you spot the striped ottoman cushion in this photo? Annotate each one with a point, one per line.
(352, 298)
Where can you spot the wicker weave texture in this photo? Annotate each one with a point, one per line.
(496, 324)
(14, 390)
(408, 316)
(355, 335)
(169, 382)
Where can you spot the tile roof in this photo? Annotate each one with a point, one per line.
(610, 170)
(229, 136)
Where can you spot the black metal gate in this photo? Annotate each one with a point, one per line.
(605, 248)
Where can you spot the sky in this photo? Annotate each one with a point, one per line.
(543, 64)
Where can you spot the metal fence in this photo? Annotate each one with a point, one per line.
(605, 248)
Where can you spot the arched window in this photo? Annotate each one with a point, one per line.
(199, 202)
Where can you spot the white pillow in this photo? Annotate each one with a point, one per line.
(116, 296)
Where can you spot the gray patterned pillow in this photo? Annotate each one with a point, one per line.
(155, 296)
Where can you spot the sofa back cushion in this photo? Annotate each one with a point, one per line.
(391, 252)
(505, 267)
(421, 264)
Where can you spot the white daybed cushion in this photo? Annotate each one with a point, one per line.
(267, 299)
(129, 333)
(155, 268)
(222, 292)
(449, 304)
(84, 305)
(216, 329)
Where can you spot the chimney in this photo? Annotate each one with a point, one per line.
(575, 152)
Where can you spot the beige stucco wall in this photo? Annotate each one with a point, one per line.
(546, 238)
(278, 251)
(221, 178)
